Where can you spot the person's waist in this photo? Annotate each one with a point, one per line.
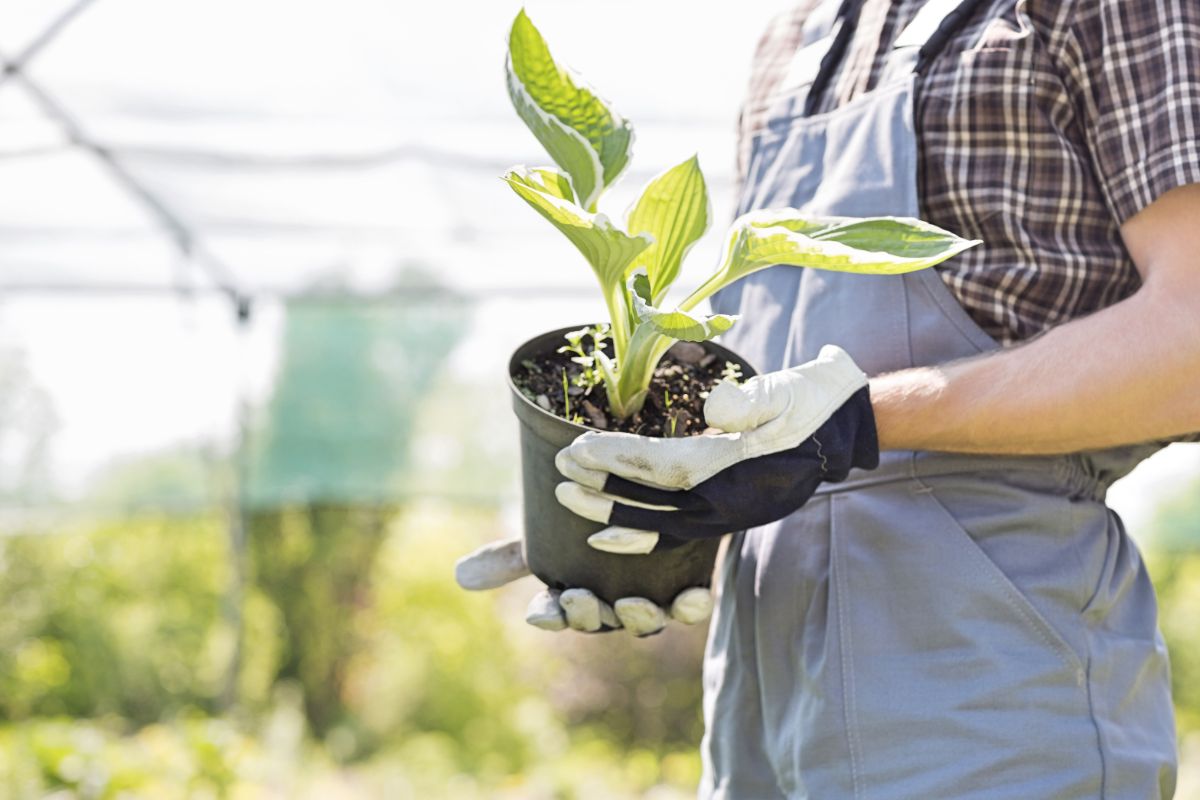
(1062, 474)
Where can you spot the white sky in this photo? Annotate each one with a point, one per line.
(300, 139)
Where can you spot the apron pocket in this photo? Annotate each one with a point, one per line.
(951, 677)
(993, 580)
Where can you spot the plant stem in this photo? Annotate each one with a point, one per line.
(646, 349)
(711, 286)
(619, 319)
(566, 397)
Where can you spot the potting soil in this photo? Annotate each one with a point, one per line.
(674, 405)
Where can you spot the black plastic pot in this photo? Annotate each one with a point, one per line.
(556, 548)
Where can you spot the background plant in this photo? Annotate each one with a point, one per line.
(636, 265)
(332, 447)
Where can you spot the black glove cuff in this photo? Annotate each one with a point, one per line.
(866, 438)
(848, 438)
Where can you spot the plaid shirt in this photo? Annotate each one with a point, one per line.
(1043, 125)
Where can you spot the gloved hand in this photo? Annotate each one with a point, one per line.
(786, 433)
(496, 564)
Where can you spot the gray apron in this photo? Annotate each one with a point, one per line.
(944, 626)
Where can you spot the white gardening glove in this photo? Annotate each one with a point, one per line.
(786, 433)
(502, 562)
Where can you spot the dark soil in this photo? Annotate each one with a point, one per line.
(686, 374)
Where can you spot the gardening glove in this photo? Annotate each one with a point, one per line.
(786, 433)
(496, 564)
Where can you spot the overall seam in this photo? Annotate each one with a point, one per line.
(1095, 722)
(849, 701)
(758, 657)
(974, 335)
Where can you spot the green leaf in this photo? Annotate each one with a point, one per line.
(899, 237)
(564, 113)
(547, 180)
(871, 246)
(674, 208)
(679, 324)
(639, 284)
(607, 248)
(568, 148)
(687, 328)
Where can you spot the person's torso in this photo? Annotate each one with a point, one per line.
(1003, 158)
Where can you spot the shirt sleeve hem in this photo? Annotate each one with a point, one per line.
(1141, 183)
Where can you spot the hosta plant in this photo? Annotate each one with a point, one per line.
(637, 262)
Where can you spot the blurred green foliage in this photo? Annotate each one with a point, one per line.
(448, 694)
(192, 757)
(1178, 582)
(314, 562)
(1173, 558)
(121, 618)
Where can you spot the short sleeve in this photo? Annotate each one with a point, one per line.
(1134, 68)
(771, 58)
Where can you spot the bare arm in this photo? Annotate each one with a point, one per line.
(1127, 374)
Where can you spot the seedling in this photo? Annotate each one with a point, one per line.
(636, 264)
(732, 373)
(589, 375)
(673, 417)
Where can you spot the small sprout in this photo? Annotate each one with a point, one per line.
(590, 375)
(673, 417)
(731, 373)
(576, 337)
(600, 335)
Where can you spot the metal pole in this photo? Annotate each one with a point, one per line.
(235, 593)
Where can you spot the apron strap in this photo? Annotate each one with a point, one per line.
(847, 21)
(929, 31)
(933, 26)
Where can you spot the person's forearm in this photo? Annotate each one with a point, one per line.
(1130, 373)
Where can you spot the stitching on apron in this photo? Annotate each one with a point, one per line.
(1100, 746)
(1033, 619)
(956, 315)
(849, 702)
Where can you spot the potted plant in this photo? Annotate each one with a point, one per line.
(629, 373)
